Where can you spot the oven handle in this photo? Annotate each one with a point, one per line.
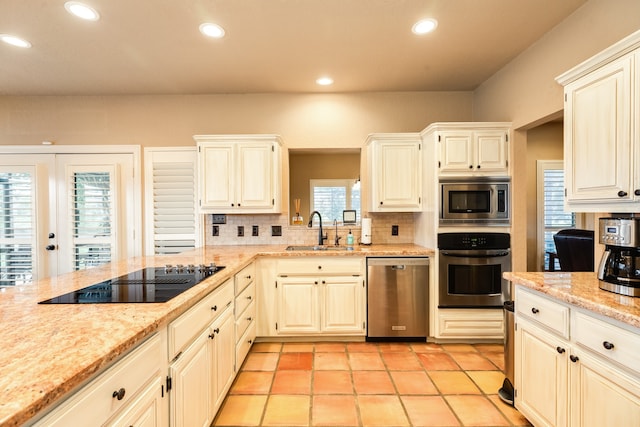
(471, 254)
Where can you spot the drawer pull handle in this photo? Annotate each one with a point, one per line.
(535, 310)
(608, 345)
(119, 394)
(214, 308)
(573, 358)
(560, 349)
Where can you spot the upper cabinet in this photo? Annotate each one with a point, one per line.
(601, 130)
(239, 173)
(395, 172)
(466, 149)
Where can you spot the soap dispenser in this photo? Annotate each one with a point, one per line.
(350, 241)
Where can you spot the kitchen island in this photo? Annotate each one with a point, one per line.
(577, 351)
(49, 351)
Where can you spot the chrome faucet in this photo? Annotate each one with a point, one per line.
(336, 241)
(321, 237)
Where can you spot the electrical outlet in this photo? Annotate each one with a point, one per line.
(276, 230)
(394, 230)
(240, 230)
(215, 231)
(254, 231)
(218, 219)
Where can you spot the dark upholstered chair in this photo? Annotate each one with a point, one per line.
(575, 249)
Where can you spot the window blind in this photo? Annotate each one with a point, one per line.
(555, 217)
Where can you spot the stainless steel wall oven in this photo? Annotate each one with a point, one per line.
(470, 269)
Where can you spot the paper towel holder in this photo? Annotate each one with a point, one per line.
(365, 235)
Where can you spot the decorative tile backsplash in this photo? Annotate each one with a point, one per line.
(381, 225)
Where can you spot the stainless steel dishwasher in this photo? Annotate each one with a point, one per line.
(397, 298)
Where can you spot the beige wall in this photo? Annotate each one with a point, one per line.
(543, 143)
(303, 120)
(525, 93)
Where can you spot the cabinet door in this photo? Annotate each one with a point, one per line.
(456, 151)
(398, 175)
(191, 400)
(298, 305)
(255, 167)
(147, 410)
(216, 175)
(343, 304)
(598, 148)
(491, 151)
(602, 395)
(223, 361)
(541, 375)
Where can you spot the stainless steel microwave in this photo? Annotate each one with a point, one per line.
(475, 201)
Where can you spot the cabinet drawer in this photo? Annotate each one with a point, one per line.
(244, 319)
(320, 265)
(244, 345)
(96, 403)
(544, 311)
(608, 340)
(243, 300)
(244, 277)
(186, 327)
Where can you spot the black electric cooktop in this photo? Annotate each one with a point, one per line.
(158, 284)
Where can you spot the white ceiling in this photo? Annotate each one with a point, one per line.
(154, 46)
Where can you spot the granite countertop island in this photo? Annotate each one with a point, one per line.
(50, 350)
(581, 290)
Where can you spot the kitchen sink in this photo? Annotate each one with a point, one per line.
(316, 248)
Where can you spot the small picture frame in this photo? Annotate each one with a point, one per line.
(349, 217)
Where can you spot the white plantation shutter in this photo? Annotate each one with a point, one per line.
(331, 196)
(171, 200)
(17, 228)
(92, 199)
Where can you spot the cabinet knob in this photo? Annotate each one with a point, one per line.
(249, 319)
(622, 193)
(211, 336)
(478, 166)
(50, 247)
(637, 192)
(381, 202)
(232, 204)
(470, 166)
(535, 310)
(249, 297)
(238, 204)
(248, 277)
(560, 349)
(608, 345)
(323, 282)
(573, 358)
(216, 331)
(214, 308)
(119, 394)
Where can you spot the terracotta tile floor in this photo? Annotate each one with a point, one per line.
(369, 384)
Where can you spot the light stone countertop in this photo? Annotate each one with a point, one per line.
(581, 290)
(49, 350)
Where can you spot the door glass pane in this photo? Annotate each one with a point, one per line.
(17, 229)
(92, 218)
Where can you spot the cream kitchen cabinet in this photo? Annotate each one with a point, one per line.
(239, 173)
(319, 295)
(601, 130)
(572, 367)
(202, 348)
(132, 389)
(395, 172)
(245, 311)
(470, 149)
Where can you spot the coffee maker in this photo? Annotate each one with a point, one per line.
(619, 269)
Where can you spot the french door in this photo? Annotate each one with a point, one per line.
(64, 212)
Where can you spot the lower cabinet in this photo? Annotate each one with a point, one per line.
(131, 392)
(319, 296)
(202, 374)
(574, 379)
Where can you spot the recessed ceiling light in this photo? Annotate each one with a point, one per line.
(424, 26)
(14, 40)
(212, 30)
(82, 11)
(324, 81)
